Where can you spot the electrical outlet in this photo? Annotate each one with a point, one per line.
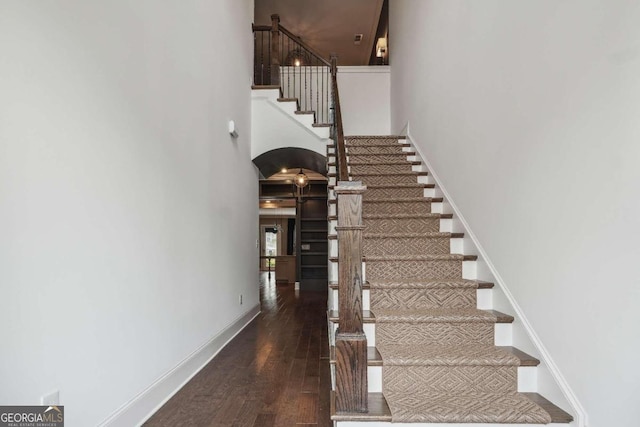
(240, 299)
(51, 399)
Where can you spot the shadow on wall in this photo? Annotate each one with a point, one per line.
(273, 161)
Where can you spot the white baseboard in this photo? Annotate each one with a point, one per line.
(577, 409)
(145, 404)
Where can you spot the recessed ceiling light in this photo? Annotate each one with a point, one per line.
(283, 170)
(268, 201)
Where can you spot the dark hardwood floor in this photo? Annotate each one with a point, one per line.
(274, 373)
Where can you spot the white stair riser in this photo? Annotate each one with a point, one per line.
(288, 106)
(502, 334)
(374, 379)
(528, 379)
(446, 225)
(305, 119)
(484, 299)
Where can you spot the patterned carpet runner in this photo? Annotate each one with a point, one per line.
(439, 359)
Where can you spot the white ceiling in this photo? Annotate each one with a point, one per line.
(329, 26)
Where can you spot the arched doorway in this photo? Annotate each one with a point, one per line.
(294, 224)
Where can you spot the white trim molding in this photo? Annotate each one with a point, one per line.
(144, 405)
(386, 69)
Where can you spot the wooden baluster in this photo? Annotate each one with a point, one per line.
(275, 50)
(351, 342)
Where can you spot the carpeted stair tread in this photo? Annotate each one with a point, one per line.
(444, 355)
(404, 353)
(398, 235)
(417, 258)
(366, 162)
(372, 141)
(381, 179)
(403, 244)
(433, 234)
(428, 257)
(382, 169)
(420, 200)
(375, 137)
(402, 185)
(468, 408)
(435, 315)
(419, 223)
(355, 150)
(382, 153)
(428, 284)
(404, 216)
(393, 173)
(405, 200)
(398, 192)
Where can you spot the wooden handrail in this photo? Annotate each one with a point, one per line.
(255, 27)
(275, 50)
(351, 341)
(283, 59)
(311, 50)
(341, 153)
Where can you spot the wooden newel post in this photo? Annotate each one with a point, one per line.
(351, 342)
(275, 50)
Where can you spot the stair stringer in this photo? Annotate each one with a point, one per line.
(550, 381)
(276, 125)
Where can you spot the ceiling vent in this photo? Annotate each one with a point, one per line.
(357, 39)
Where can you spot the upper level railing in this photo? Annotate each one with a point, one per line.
(283, 59)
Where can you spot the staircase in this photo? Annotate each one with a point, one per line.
(437, 352)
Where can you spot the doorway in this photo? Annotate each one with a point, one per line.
(294, 229)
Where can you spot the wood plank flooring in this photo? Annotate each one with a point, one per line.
(274, 373)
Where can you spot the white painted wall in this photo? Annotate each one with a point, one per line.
(365, 99)
(274, 125)
(124, 245)
(528, 111)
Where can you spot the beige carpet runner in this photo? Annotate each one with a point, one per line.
(439, 359)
